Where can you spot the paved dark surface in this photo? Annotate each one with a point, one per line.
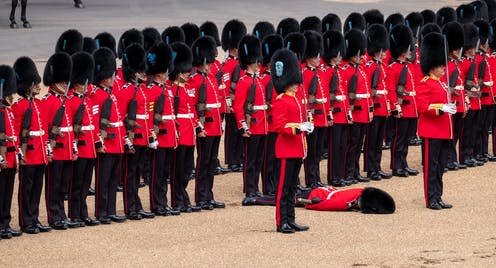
(49, 18)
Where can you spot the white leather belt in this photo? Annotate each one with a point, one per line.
(340, 97)
(321, 101)
(38, 133)
(168, 117)
(363, 96)
(381, 92)
(66, 129)
(87, 128)
(459, 87)
(116, 124)
(142, 116)
(259, 107)
(12, 138)
(488, 83)
(213, 105)
(410, 93)
(185, 116)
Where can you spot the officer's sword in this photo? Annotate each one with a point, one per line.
(448, 94)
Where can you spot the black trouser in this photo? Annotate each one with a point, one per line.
(324, 143)
(132, 201)
(30, 186)
(356, 137)
(217, 161)
(435, 155)
(312, 161)
(158, 183)
(373, 144)
(24, 4)
(457, 131)
(205, 165)
(183, 159)
(388, 134)
(80, 184)
(286, 190)
(56, 173)
(404, 127)
(254, 153)
(233, 142)
(486, 119)
(108, 168)
(145, 167)
(469, 135)
(270, 173)
(7, 177)
(338, 147)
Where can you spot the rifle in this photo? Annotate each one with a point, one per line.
(78, 115)
(400, 86)
(248, 107)
(333, 88)
(375, 81)
(25, 128)
(453, 78)
(3, 131)
(352, 88)
(470, 78)
(57, 121)
(269, 88)
(105, 115)
(201, 106)
(234, 80)
(220, 74)
(312, 91)
(482, 71)
(130, 120)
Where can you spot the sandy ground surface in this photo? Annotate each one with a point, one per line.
(464, 236)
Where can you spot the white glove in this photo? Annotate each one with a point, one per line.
(449, 108)
(307, 127)
(153, 145)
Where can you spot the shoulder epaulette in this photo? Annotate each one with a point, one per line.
(424, 79)
(369, 63)
(46, 96)
(346, 66)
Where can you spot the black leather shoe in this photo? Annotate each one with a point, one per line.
(91, 222)
(481, 158)
(146, 214)
(59, 225)
(73, 224)
(470, 163)
(490, 158)
(4, 234)
(411, 171)
(104, 220)
(400, 173)
(43, 228)
(350, 180)
(337, 183)
(161, 212)
(135, 216)
(26, 24)
(14, 232)
(120, 188)
(13, 25)
(116, 218)
(249, 201)
(217, 204)
(183, 209)
(298, 228)
(361, 178)
(285, 229)
(451, 166)
(478, 163)
(444, 205)
(460, 165)
(384, 175)
(374, 176)
(205, 205)
(78, 4)
(235, 168)
(173, 212)
(317, 184)
(141, 184)
(386, 146)
(91, 191)
(217, 171)
(434, 206)
(30, 229)
(195, 208)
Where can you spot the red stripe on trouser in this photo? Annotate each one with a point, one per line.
(426, 171)
(19, 199)
(197, 173)
(152, 190)
(279, 191)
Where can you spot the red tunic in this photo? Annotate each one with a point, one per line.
(12, 143)
(167, 134)
(128, 93)
(89, 129)
(258, 124)
(333, 199)
(409, 105)
(265, 81)
(186, 116)
(341, 106)
(487, 96)
(227, 71)
(363, 106)
(321, 106)
(223, 93)
(381, 100)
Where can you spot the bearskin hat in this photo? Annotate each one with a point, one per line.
(297, 43)
(89, 45)
(471, 36)
(454, 35)
(173, 34)
(8, 81)
(26, 74)
(128, 38)
(354, 21)
(204, 51)
(355, 43)
(159, 59)
(427, 29)
(376, 201)
(249, 51)
(232, 33)
(83, 68)
(377, 39)
(105, 66)
(105, 40)
(331, 22)
(287, 26)
(491, 7)
(481, 10)
(270, 44)
(151, 37)
(314, 44)
(333, 44)
(465, 13)
(393, 20)
(284, 70)
(262, 29)
(373, 16)
(445, 15)
(432, 52)
(58, 69)
(414, 21)
(70, 42)
(210, 29)
(492, 43)
(191, 33)
(133, 61)
(400, 40)
(312, 23)
(182, 57)
(429, 16)
(484, 31)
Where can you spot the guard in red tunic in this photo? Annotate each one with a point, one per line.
(377, 45)
(401, 89)
(340, 108)
(207, 101)
(61, 143)
(110, 148)
(250, 109)
(291, 146)
(360, 97)
(187, 127)
(435, 122)
(31, 129)
(232, 33)
(9, 146)
(492, 58)
(454, 36)
(85, 137)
